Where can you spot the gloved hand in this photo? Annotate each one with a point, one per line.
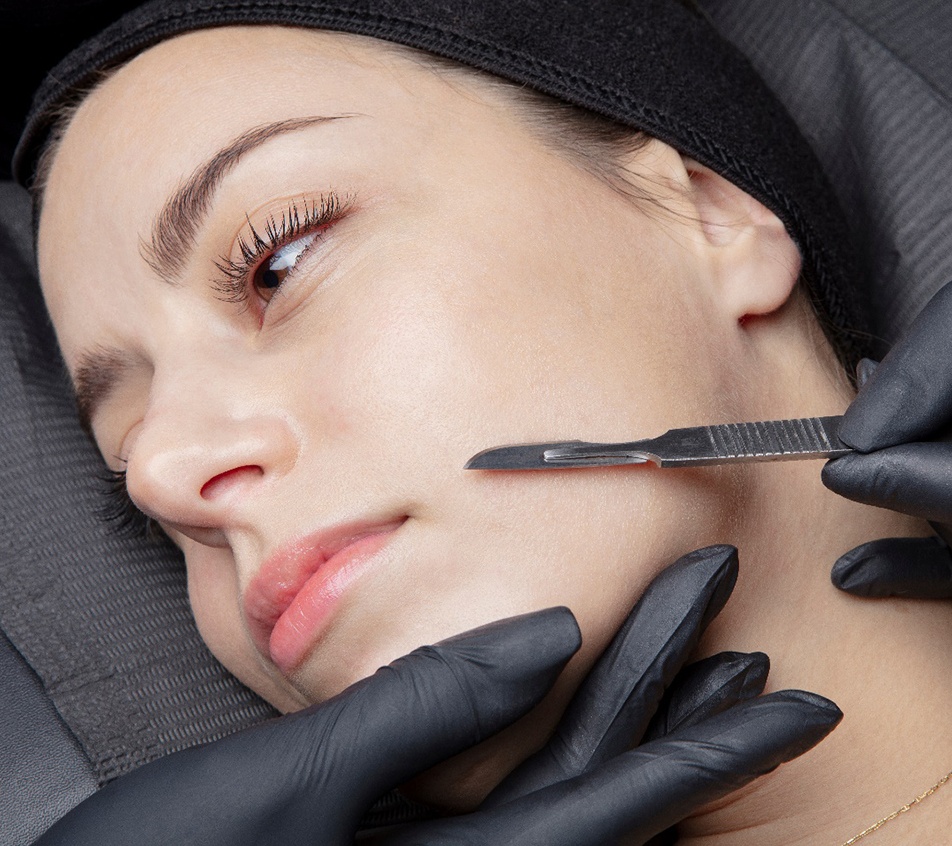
(703, 739)
(308, 777)
(898, 422)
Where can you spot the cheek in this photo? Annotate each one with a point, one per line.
(417, 373)
(514, 543)
(214, 597)
(213, 594)
(444, 345)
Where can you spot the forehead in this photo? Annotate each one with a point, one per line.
(171, 105)
(218, 79)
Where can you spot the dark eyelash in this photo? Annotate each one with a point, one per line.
(295, 221)
(120, 512)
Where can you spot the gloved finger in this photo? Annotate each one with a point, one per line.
(919, 568)
(307, 776)
(909, 397)
(915, 479)
(438, 701)
(612, 708)
(701, 690)
(709, 687)
(642, 792)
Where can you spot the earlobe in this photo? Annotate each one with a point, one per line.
(755, 261)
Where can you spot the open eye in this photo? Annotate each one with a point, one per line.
(272, 272)
(269, 256)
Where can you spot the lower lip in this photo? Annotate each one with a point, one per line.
(299, 627)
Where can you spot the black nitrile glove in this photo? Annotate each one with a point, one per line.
(611, 711)
(709, 736)
(307, 777)
(899, 423)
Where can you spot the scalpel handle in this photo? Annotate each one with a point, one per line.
(768, 440)
(699, 446)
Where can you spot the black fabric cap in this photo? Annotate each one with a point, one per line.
(651, 64)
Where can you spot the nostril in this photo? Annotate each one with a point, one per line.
(223, 483)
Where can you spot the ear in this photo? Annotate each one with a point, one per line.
(755, 261)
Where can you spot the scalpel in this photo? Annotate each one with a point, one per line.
(769, 440)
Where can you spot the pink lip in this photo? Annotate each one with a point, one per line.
(291, 599)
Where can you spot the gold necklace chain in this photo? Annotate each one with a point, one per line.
(907, 807)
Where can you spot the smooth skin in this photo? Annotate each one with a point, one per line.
(481, 289)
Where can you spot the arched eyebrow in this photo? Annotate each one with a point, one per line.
(97, 374)
(183, 213)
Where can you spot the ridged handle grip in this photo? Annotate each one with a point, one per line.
(768, 440)
(771, 438)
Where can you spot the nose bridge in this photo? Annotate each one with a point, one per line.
(207, 420)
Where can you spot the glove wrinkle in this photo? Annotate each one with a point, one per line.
(915, 479)
(709, 687)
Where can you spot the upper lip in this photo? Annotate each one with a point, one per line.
(286, 570)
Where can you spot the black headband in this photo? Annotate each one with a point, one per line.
(654, 65)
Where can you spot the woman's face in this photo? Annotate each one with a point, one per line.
(448, 283)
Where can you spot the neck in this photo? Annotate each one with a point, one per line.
(884, 662)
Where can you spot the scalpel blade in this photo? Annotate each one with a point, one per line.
(768, 440)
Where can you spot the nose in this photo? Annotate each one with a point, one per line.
(204, 455)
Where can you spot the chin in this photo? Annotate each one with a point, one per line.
(387, 624)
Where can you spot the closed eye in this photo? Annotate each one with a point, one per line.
(120, 513)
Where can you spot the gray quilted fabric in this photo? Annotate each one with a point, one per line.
(103, 621)
(869, 82)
